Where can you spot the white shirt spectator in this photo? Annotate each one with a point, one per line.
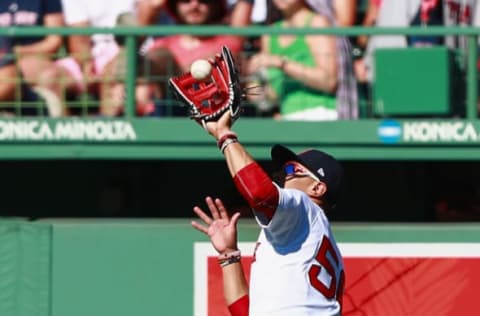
(98, 13)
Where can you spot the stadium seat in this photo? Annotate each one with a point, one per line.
(416, 82)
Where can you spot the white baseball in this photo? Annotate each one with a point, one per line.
(201, 69)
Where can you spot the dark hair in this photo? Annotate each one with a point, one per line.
(219, 10)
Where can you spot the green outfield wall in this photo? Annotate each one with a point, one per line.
(100, 267)
(181, 139)
(442, 134)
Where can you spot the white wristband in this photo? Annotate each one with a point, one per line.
(227, 142)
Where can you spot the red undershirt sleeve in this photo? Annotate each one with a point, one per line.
(240, 306)
(257, 188)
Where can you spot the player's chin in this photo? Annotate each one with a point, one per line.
(195, 18)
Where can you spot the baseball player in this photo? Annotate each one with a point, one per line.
(297, 267)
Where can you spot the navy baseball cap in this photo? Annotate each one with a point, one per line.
(321, 164)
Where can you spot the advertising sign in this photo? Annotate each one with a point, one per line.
(394, 279)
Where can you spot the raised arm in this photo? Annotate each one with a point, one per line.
(148, 11)
(249, 177)
(345, 12)
(241, 13)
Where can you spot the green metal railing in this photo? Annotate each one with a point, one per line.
(131, 33)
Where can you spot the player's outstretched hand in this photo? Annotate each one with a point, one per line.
(220, 228)
(220, 127)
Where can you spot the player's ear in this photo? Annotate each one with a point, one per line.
(318, 189)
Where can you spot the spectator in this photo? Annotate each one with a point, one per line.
(26, 57)
(310, 75)
(82, 71)
(342, 13)
(185, 48)
(419, 12)
(147, 12)
(168, 55)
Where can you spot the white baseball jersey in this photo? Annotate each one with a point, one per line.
(297, 268)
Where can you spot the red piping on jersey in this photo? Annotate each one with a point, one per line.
(240, 306)
(257, 188)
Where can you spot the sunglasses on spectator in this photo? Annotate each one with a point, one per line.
(295, 170)
(199, 1)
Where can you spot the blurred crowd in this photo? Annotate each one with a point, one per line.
(289, 77)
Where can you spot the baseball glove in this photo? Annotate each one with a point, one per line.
(208, 99)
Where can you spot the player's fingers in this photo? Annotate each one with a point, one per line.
(204, 217)
(234, 219)
(212, 207)
(199, 227)
(221, 208)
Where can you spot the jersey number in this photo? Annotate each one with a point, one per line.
(333, 290)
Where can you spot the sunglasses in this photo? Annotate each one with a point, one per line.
(295, 170)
